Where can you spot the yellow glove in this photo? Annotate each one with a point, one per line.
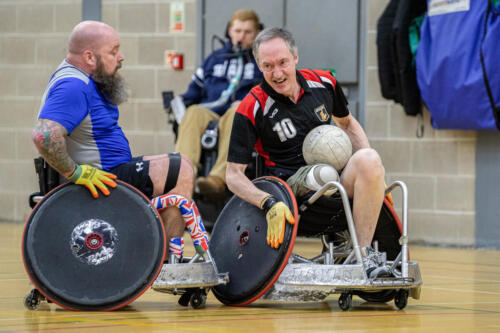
(276, 214)
(91, 178)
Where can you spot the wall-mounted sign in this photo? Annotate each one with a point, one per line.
(177, 16)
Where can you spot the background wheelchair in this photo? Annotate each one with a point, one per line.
(209, 209)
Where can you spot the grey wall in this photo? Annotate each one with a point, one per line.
(488, 189)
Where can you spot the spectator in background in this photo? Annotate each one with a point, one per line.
(224, 79)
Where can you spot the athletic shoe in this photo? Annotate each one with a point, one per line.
(375, 263)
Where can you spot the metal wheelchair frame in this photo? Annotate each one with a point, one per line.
(314, 279)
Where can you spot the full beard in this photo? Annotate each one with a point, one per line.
(113, 86)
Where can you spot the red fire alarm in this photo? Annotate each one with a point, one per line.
(175, 60)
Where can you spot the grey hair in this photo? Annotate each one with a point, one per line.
(272, 33)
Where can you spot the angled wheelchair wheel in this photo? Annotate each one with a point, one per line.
(93, 254)
(388, 231)
(239, 247)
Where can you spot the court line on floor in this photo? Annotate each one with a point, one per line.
(465, 290)
(457, 308)
(460, 278)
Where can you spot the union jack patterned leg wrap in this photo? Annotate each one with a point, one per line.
(176, 247)
(191, 216)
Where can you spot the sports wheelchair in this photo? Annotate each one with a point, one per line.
(258, 271)
(82, 255)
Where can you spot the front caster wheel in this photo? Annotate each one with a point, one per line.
(345, 301)
(401, 299)
(198, 299)
(186, 297)
(32, 300)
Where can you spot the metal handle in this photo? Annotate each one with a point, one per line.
(347, 210)
(350, 222)
(404, 237)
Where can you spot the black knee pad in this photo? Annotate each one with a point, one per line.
(174, 167)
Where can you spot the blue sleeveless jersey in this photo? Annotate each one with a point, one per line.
(95, 138)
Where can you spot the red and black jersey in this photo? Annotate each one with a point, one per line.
(275, 127)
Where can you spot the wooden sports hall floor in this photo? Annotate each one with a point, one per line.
(461, 293)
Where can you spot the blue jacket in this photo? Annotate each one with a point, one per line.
(215, 75)
(457, 64)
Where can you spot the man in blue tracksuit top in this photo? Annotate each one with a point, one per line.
(78, 134)
(224, 79)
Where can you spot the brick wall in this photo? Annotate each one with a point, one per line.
(33, 35)
(439, 168)
(33, 41)
(144, 32)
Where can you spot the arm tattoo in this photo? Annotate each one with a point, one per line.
(50, 139)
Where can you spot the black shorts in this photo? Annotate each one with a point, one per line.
(135, 173)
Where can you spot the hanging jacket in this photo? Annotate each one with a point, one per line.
(386, 73)
(395, 60)
(219, 70)
(457, 64)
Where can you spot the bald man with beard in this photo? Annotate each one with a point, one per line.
(78, 134)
